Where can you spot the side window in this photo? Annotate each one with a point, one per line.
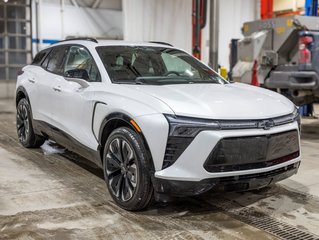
(56, 59)
(39, 57)
(44, 63)
(80, 59)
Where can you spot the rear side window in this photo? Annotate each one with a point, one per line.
(56, 59)
(39, 57)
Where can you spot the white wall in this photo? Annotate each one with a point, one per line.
(147, 20)
(77, 22)
(159, 20)
(232, 15)
(171, 21)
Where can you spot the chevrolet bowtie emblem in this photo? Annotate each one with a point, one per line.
(266, 124)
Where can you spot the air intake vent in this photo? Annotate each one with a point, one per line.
(174, 148)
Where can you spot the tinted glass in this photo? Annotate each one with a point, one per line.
(39, 57)
(80, 58)
(154, 65)
(56, 59)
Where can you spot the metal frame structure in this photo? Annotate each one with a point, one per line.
(15, 37)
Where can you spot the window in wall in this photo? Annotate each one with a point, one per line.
(17, 27)
(15, 37)
(15, 12)
(1, 12)
(18, 42)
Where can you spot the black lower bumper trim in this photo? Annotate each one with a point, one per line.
(224, 184)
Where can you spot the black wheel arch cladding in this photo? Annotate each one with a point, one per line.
(114, 121)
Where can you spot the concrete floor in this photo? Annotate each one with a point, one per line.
(47, 195)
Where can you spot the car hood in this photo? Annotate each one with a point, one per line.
(219, 101)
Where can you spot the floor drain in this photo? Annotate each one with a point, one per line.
(260, 220)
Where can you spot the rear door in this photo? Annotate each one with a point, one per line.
(34, 77)
(45, 80)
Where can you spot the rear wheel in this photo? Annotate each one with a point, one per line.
(126, 169)
(25, 131)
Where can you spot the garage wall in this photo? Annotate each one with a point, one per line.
(147, 20)
(171, 21)
(164, 20)
(232, 15)
(77, 22)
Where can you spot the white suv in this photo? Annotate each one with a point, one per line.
(158, 121)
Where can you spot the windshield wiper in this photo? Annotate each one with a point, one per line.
(161, 80)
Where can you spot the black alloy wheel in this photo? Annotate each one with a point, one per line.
(25, 131)
(23, 126)
(127, 169)
(121, 169)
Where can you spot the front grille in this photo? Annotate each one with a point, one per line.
(244, 153)
(174, 148)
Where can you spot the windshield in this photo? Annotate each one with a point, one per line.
(154, 65)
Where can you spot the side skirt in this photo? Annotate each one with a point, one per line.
(64, 139)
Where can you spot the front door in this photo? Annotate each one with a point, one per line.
(72, 106)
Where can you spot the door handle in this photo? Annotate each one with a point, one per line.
(57, 89)
(31, 80)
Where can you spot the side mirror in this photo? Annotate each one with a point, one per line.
(77, 73)
(79, 76)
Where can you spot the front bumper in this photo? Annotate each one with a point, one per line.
(190, 165)
(226, 184)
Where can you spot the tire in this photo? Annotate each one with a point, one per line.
(25, 131)
(127, 170)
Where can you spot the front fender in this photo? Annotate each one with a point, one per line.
(154, 129)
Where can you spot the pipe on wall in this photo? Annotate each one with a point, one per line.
(62, 18)
(38, 24)
(213, 34)
(199, 15)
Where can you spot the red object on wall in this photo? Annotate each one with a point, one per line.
(254, 77)
(266, 9)
(198, 23)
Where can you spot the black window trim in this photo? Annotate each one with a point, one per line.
(69, 47)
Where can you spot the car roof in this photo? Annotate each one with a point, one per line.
(100, 43)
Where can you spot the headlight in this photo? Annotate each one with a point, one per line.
(294, 116)
(188, 126)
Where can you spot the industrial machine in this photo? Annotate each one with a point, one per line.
(281, 54)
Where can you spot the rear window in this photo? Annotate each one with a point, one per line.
(40, 57)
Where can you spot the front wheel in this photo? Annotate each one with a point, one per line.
(25, 131)
(127, 169)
